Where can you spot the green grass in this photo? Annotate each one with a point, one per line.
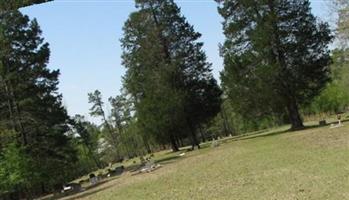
(274, 164)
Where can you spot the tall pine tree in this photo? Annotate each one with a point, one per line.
(31, 107)
(167, 72)
(276, 55)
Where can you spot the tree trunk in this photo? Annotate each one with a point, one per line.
(194, 140)
(226, 126)
(43, 189)
(174, 144)
(146, 144)
(15, 115)
(279, 58)
(295, 118)
(203, 138)
(98, 164)
(181, 143)
(110, 129)
(178, 142)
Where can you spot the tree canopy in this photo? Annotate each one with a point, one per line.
(276, 55)
(167, 72)
(32, 113)
(16, 4)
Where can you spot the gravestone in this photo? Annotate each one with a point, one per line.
(119, 170)
(322, 122)
(214, 143)
(93, 179)
(149, 166)
(71, 188)
(116, 172)
(339, 117)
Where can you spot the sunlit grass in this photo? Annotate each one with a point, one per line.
(275, 164)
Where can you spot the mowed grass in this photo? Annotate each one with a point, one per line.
(307, 164)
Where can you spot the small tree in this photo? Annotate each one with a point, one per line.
(97, 110)
(85, 131)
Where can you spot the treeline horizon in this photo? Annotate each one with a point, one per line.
(278, 69)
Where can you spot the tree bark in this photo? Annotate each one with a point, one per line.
(13, 108)
(146, 144)
(181, 143)
(203, 138)
(178, 142)
(174, 144)
(194, 140)
(97, 162)
(279, 58)
(295, 118)
(43, 189)
(225, 123)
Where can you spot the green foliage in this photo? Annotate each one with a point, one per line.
(276, 56)
(335, 97)
(97, 110)
(120, 111)
(229, 122)
(15, 168)
(129, 140)
(87, 143)
(31, 107)
(133, 141)
(167, 73)
(16, 4)
(95, 99)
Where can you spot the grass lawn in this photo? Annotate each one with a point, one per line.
(307, 164)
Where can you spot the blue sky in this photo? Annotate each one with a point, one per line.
(84, 40)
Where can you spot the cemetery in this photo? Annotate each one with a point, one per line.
(288, 162)
(174, 99)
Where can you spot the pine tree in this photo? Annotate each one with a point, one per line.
(121, 118)
(121, 111)
(276, 55)
(86, 138)
(31, 107)
(167, 72)
(97, 110)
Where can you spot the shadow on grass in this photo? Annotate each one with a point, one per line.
(168, 160)
(274, 133)
(175, 156)
(261, 135)
(134, 167)
(88, 192)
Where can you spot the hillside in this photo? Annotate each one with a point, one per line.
(308, 164)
